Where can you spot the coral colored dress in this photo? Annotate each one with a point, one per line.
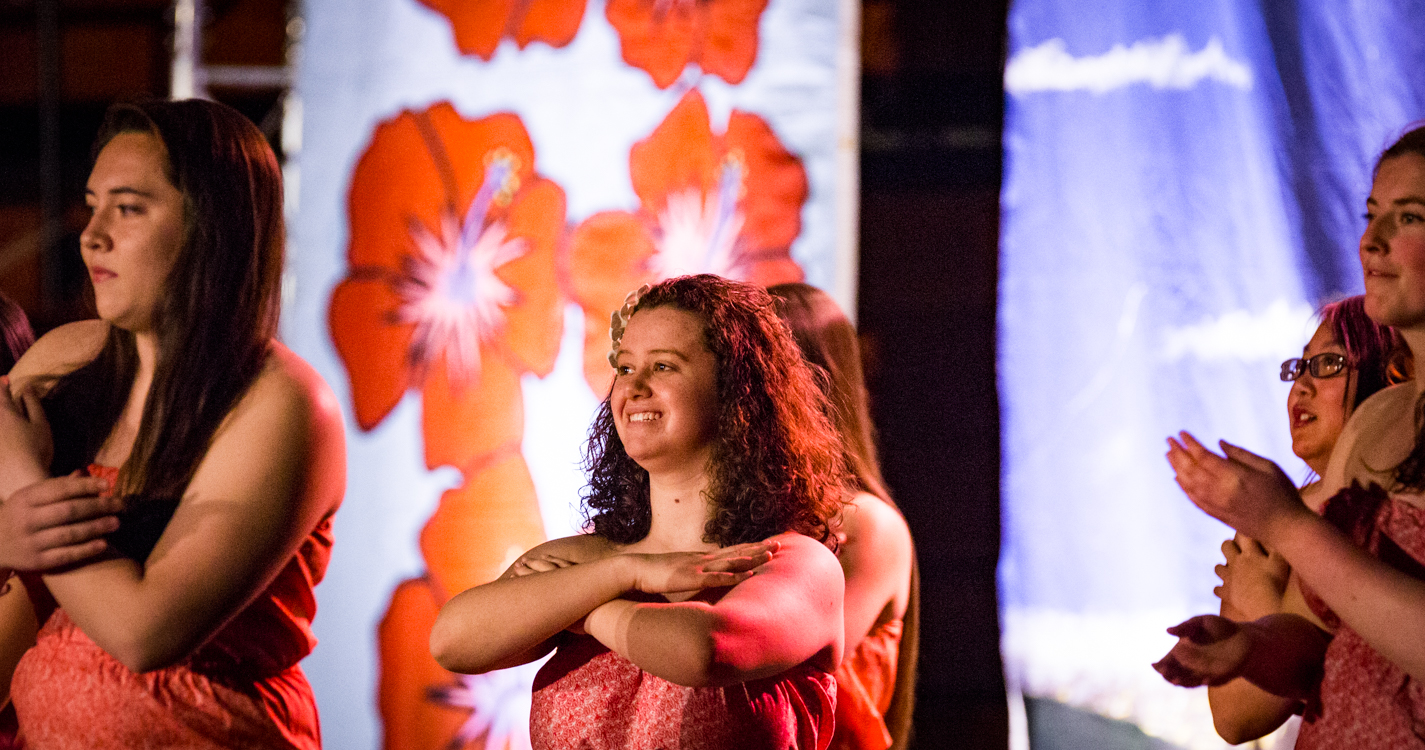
(1365, 701)
(865, 683)
(590, 698)
(243, 688)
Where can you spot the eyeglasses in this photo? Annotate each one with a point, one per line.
(1324, 365)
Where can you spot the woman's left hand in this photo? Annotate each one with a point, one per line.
(1243, 490)
(26, 446)
(1211, 650)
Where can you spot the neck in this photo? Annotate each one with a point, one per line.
(680, 511)
(1415, 337)
(146, 345)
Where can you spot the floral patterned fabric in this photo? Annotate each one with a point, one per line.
(865, 684)
(1366, 702)
(590, 698)
(241, 689)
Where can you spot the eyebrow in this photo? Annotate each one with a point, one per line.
(124, 191)
(1407, 200)
(674, 352)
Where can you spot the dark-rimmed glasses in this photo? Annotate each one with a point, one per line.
(1323, 365)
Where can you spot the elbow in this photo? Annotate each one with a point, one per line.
(146, 654)
(444, 648)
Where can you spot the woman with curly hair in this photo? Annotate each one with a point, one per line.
(703, 609)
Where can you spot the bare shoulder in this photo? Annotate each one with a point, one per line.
(802, 553)
(287, 381)
(871, 523)
(1378, 435)
(58, 353)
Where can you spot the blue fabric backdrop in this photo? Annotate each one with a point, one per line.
(1183, 185)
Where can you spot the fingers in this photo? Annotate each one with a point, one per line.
(539, 564)
(1242, 455)
(1231, 549)
(1221, 571)
(60, 557)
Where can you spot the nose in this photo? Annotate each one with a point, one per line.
(1376, 238)
(95, 237)
(635, 383)
(1304, 385)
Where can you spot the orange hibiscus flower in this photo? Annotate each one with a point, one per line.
(663, 36)
(727, 204)
(479, 25)
(451, 287)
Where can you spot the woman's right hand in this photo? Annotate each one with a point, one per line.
(56, 522)
(674, 572)
(1253, 578)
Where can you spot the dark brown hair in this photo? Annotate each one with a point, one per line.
(15, 333)
(219, 307)
(776, 461)
(828, 341)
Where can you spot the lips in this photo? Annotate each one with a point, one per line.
(98, 274)
(645, 416)
(1301, 417)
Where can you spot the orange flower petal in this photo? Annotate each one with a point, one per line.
(776, 184)
(481, 527)
(679, 154)
(394, 182)
(410, 720)
(554, 22)
(661, 46)
(464, 422)
(418, 164)
(730, 47)
(608, 256)
(479, 25)
(533, 326)
(373, 348)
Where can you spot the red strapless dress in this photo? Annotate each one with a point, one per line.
(865, 683)
(243, 688)
(1366, 702)
(590, 698)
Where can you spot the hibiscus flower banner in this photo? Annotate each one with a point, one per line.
(476, 186)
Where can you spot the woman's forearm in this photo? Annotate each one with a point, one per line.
(506, 622)
(1384, 606)
(1242, 711)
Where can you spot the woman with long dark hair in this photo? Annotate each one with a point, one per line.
(169, 471)
(1361, 563)
(703, 608)
(875, 685)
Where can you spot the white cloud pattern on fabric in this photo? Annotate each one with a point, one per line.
(1275, 333)
(1165, 63)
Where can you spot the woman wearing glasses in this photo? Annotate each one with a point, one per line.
(1349, 359)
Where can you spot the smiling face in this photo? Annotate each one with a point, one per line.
(136, 231)
(664, 398)
(1393, 246)
(1317, 406)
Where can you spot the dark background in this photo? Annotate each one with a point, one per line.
(932, 109)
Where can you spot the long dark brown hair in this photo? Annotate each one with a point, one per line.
(776, 462)
(1410, 473)
(218, 311)
(828, 341)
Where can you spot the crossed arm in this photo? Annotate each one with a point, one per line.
(274, 469)
(742, 634)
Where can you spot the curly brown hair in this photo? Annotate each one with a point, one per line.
(776, 461)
